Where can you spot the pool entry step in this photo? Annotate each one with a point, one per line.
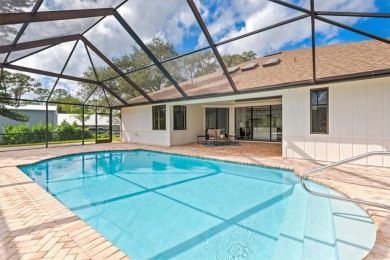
(305, 231)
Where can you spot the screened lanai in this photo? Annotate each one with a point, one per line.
(90, 58)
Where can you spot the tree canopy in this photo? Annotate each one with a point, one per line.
(12, 87)
(151, 79)
(235, 59)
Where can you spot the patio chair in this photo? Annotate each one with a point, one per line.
(217, 135)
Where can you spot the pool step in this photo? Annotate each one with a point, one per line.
(355, 231)
(319, 241)
(290, 241)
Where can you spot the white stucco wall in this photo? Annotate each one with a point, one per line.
(359, 122)
(137, 127)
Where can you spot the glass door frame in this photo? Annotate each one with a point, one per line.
(216, 118)
(270, 107)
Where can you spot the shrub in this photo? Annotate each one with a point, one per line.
(18, 134)
(23, 134)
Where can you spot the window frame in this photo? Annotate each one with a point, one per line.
(327, 110)
(159, 117)
(174, 118)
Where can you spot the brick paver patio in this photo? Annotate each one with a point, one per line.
(34, 225)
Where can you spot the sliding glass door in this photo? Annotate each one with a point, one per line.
(276, 123)
(244, 122)
(262, 123)
(217, 118)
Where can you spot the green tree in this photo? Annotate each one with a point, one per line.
(6, 98)
(42, 93)
(235, 59)
(198, 64)
(59, 94)
(62, 95)
(151, 79)
(17, 84)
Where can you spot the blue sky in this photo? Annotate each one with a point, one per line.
(215, 9)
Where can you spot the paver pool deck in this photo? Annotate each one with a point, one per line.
(34, 225)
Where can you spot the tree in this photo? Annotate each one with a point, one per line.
(42, 93)
(235, 59)
(62, 95)
(6, 99)
(152, 79)
(17, 84)
(59, 94)
(198, 64)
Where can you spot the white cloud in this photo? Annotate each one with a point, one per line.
(258, 14)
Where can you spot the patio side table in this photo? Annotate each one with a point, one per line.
(201, 139)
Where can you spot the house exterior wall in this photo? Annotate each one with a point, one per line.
(137, 127)
(36, 116)
(359, 122)
(195, 116)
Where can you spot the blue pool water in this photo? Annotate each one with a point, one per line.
(161, 206)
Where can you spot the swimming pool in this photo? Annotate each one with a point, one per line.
(162, 206)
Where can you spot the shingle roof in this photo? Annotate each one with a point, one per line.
(295, 67)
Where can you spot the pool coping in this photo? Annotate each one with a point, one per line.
(165, 150)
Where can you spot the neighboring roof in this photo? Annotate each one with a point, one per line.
(33, 108)
(102, 120)
(294, 68)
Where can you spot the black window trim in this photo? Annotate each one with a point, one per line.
(327, 111)
(165, 127)
(185, 118)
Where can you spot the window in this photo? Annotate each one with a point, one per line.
(179, 118)
(159, 117)
(319, 111)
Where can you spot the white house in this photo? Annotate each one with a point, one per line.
(36, 114)
(346, 113)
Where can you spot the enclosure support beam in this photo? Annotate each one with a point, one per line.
(354, 14)
(63, 69)
(90, 60)
(38, 43)
(326, 20)
(109, 90)
(349, 28)
(313, 40)
(15, 18)
(47, 126)
(206, 32)
(96, 124)
(116, 69)
(47, 73)
(219, 43)
(90, 94)
(110, 126)
(148, 52)
(24, 27)
(82, 125)
(32, 53)
(263, 29)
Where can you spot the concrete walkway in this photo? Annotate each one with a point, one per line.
(34, 225)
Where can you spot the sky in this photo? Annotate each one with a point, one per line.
(173, 21)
